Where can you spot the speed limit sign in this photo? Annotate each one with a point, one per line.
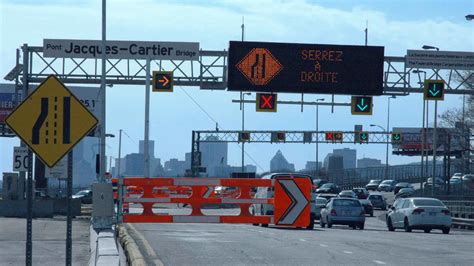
(20, 159)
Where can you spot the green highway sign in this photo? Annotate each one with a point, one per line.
(434, 90)
(397, 138)
(361, 105)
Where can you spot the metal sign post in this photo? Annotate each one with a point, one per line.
(29, 215)
(69, 217)
(146, 151)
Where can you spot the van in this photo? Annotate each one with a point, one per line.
(267, 192)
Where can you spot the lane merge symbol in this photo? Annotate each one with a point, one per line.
(51, 121)
(259, 66)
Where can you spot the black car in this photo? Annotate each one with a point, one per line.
(378, 201)
(373, 184)
(329, 188)
(361, 193)
(84, 195)
(399, 186)
(368, 208)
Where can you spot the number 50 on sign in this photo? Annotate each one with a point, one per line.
(20, 159)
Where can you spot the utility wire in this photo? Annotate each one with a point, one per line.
(215, 121)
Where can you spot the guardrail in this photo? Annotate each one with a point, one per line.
(462, 213)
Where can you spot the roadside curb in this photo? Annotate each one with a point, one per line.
(132, 252)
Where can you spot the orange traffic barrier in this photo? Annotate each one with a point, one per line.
(195, 192)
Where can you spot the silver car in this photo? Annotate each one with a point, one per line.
(344, 211)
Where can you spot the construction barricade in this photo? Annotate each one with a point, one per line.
(291, 201)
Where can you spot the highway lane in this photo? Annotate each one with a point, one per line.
(230, 244)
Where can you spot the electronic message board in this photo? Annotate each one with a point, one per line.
(305, 68)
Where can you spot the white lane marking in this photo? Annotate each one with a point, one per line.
(302, 240)
(323, 245)
(379, 262)
(348, 252)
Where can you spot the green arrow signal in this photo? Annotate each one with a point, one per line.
(362, 106)
(434, 91)
(363, 136)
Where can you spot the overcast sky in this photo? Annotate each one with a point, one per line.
(396, 25)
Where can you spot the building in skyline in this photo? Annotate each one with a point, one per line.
(368, 162)
(349, 157)
(213, 155)
(175, 167)
(311, 166)
(279, 163)
(151, 148)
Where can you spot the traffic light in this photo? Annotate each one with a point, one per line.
(361, 105)
(334, 136)
(244, 136)
(362, 137)
(434, 90)
(397, 138)
(162, 81)
(266, 102)
(278, 136)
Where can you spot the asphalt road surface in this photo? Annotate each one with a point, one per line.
(230, 244)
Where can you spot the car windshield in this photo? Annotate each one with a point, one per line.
(374, 181)
(321, 201)
(82, 192)
(377, 197)
(346, 203)
(387, 182)
(427, 202)
(328, 185)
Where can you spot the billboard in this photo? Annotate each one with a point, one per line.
(305, 68)
(411, 143)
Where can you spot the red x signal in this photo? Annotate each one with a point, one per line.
(266, 102)
(334, 136)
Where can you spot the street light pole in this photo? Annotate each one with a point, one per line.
(386, 154)
(102, 98)
(388, 129)
(317, 140)
(243, 128)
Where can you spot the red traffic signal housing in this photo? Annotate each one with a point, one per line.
(244, 136)
(266, 102)
(334, 136)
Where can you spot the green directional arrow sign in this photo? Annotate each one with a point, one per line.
(361, 105)
(396, 138)
(434, 90)
(363, 136)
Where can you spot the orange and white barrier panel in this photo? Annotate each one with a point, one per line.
(291, 202)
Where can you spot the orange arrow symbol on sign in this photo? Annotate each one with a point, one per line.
(164, 81)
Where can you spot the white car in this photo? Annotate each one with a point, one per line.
(419, 213)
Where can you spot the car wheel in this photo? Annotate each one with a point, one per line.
(329, 223)
(390, 225)
(311, 224)
(406, 225)
(427, 231)
(446, 230)
(384, 208)
(321, 223)
(353, 226)
(261, 212)
(372, 214)
(361, 226)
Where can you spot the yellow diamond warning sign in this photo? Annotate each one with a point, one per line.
(51, 121)
(259, 66)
